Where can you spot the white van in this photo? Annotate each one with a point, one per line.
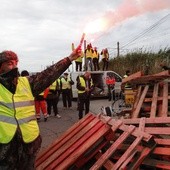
(99, 81)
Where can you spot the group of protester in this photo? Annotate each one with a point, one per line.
(20, 138)
(49, 98)
(92, 56)
(21, 96)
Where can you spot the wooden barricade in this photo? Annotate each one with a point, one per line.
(159, 127)
(97, 141)
(81, 138)
(91, 144)
(152, 95)
(131, 157)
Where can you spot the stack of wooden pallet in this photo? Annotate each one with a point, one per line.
(153, 94)
(96, 142)
(151, 111)
(101, 142)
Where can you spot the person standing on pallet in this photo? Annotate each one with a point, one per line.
(20, 138)
(85, 87)
(96, 56)
(89, 57)
(105, 59)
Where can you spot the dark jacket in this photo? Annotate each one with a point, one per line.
(40, 81)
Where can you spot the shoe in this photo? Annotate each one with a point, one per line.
(48, 115)
(45, 119)
(58, 116)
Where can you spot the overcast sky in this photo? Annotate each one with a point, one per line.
(41, 31)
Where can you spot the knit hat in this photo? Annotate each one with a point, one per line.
(8, 55)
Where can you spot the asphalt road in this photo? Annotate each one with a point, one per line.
(54, 126)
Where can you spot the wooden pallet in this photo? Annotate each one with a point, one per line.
(75, 142)
(102, 142)
(159, 127)
(92, 142)
(152, 95)
(131, 157)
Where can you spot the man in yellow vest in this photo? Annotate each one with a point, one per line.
(66, 84)
(53, 98)
(20, 138)
(127, 85)
(85, 87)
(78, 61)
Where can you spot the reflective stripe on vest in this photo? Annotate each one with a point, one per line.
(12, 120)
(17, 104)
(18, 110)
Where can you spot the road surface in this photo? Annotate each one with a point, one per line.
(54, 127)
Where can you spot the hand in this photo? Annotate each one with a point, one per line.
(75, 54)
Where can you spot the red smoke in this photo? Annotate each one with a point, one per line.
(131, 8)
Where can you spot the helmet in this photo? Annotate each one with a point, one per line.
(8, 55)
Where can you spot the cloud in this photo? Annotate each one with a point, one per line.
(41, 31)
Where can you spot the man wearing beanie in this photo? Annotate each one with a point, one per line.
(20, 138)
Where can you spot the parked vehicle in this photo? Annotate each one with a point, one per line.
(99, 81)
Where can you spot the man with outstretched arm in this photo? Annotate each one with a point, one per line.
(20, 138)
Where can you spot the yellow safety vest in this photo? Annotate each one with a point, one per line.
(58, 84)
(89, 53)
(106, 56)
(83, 84)
(95, 54)
(53, 86)
(65, 84)
(127, 85)
(80, 59)
(18, 110)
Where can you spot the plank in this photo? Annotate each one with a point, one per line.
(135, 113)
(154, 101)
(64, 138)
(112, 148)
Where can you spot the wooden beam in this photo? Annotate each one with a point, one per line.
(132, 77)
(135, 113)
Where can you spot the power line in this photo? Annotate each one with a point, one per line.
(151, 28)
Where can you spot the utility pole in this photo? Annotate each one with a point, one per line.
(118, 49)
